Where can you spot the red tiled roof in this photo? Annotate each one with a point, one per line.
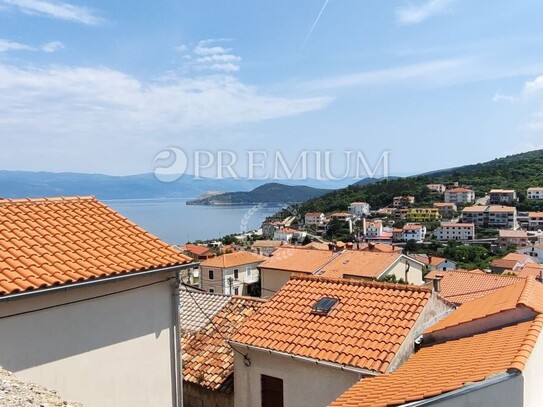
(362, 263)
(462, 286)
(364, 329)
(197, 249)
(208, 360)
(504, 264)
(531, 269)
(233, 259)
(446, 367)
(298, 260)
(526, 292)
(47, 242)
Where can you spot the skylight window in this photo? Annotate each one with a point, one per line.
(324, 305)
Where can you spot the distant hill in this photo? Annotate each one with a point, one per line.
(518, 172)
(369, 181)
(267, 193)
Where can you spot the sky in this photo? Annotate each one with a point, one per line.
(114, 87)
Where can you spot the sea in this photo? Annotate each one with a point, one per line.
(175, 222)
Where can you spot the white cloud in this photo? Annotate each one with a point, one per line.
(415, 14)
(57, 10)
(52, 46)
(7, 45)
(208, 56)
(499, 97)
(534, 87)
(219, 58)
(104, 103)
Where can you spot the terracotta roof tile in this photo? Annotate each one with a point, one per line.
(208, 360)
(448, 366)
(364, 329)
(360, 263)
(526, 292)
(298, 260)
(462, 286)
(233, 259)
(192, 319)
(531, 269)
(45, 242)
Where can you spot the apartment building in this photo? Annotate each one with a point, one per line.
(502, 196)
(491, 216)
(437, 188)
(455, 231)
(423, 214)
(535, 193)
(314, 218)
(535, 220)
(403, 201)
(446, 208)
(460, 195)
(359, 209)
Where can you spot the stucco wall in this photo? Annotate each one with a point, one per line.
(272, 281)
(414, 276)
(112, 351)
(216, 283)
(304, 383)
(533, 376)
(198, 396)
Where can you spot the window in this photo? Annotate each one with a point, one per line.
(236, 291)
(211, 290)
(236, 274)
(324, 305)
(272, 391)
(211, 274)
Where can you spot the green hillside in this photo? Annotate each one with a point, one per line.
(517, 172)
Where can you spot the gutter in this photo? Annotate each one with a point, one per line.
(339, 366)
(101, 280)
(500, 378)
(177, 336)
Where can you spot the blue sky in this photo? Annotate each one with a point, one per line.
(105, 86)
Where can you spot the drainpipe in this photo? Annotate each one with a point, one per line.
(178, 348)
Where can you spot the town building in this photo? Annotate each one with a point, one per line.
(446, 209)
(231, 273)
(500, 333)
(422, 215)
(314, 218)
(374, 228)
(502, 196)
(208, 360)
(437, 188)
(288, 235)
(509, 238)
(459, 195)
(411, 231)
(359, 209)
(88, 303)
(265, 247)
(510, 262)
(455, 231)
(491, 216)
(318, 336)
(197, 252)
(403, 201)
(535, 220)
(535, 193)
(434, 262)
(535, 251)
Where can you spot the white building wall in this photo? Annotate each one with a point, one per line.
(116, 350)
(533, 374)
(304, 383)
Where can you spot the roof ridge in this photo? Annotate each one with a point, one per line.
(528, 344)
(47, 199)
(527, 293)
(361, 282)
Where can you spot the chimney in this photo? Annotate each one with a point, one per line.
(437, 283)
(371, 246)
(540, 277)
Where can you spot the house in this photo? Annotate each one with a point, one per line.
(373, 265)
(535, 251)
(374, 228)
(535, 221)
(197, 252)
(266, 247)
(380, 247)
(359, 209)
(486, 353)
(317, 337)
(314, 218)
(446, 209)
(19, 392)
(502, 196)
(455, 231)
(508, 238)
(208, 360)
(88, 303)
(459, 195)
(411, 231)
(460, 286)
(437, 188)
(434, 262)
(277, 270)
(511, 261)
(422, 215)
(491, 216)
(535, 193)
(231, 273)
(403, 201)
(532, 269)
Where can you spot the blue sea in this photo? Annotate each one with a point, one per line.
(175, 222)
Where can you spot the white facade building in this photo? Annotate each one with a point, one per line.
(491, 216)
(455, 231)
(459, 195)
(535, 193)
(412, 231)
(314, 218)
(359, 209)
